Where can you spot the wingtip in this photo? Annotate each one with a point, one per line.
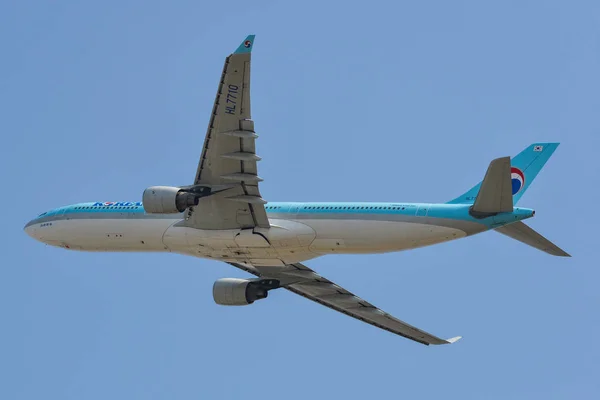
(454, 339)
(246, 45)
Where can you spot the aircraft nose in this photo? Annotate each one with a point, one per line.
(30, 229)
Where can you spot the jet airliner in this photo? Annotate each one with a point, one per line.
(222, 216)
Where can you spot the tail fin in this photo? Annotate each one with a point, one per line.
(525, 234)
(524, 168)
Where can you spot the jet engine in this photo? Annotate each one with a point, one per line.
(241, 292)
(168, 200)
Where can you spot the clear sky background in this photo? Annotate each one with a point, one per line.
(353, 101)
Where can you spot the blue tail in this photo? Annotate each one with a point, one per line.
(524, 168)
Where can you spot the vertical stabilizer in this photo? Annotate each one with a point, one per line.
(524, 168)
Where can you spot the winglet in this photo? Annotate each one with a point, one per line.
(246, 46)
(454, 339)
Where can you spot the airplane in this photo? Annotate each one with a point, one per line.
(222, 216)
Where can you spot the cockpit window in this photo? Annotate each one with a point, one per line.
(42, 214)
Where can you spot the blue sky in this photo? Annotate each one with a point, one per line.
(365, 101)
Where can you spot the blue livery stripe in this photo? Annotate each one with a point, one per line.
(458, 212)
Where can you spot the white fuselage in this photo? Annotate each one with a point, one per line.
(291, 238)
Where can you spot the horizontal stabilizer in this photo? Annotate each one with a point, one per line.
(523, 233)
(495, 193)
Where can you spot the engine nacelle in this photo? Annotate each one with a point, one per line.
(167, 200)
(238, 292)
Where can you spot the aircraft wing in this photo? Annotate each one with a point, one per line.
(228, 160)
(299, 279)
